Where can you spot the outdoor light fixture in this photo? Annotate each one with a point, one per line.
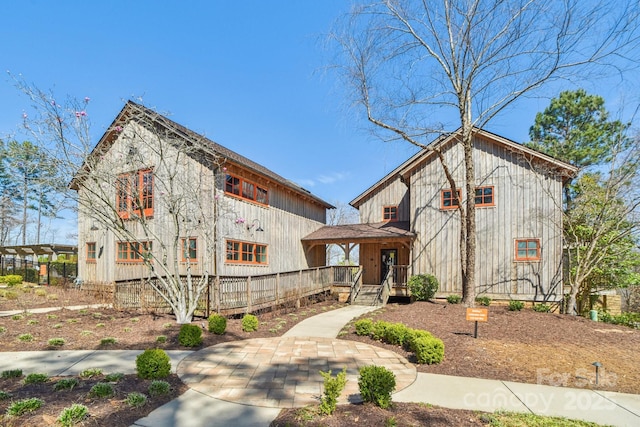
(597, 365)
(255, 223)
(94, 227)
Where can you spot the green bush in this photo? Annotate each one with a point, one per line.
(23, 406)
(515, 305)
(413, 335)
(333, 386)
(364, 327)
(631, 320)
(36, 378)
(429, 350)
(108, 341)
(217, 324)
(379, 330)
(66, 384)
(190, 335)
(73, 415)
(542, 308)
(454, 299)
(486, 301)
(423, 287)
(136, 400)
(101, 390)
(11, 280)
(161, 339)
(153, 364)
(249, 323)
(396, 334)
(376, 384)
(11, 373)
(158, 388)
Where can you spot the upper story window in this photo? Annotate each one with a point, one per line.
(246, 252)
(484, 196)
(91, 251)
(189, 250)
(244, 189)
(134, 194)
(133, 252)
(390, 213)
(448, 199)
(527, 249)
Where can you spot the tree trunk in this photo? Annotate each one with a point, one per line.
(469, 258)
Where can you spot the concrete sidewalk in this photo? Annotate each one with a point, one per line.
(7, 313)
(197, 407)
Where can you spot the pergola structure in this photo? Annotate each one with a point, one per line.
(37, 250)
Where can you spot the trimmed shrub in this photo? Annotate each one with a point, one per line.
(486, 301)
(376, 384)
(413, 335)
(73, 415)
(542, 308)
(423, 287)
(379, 330)
(11, 280)
(396, 333)
(158, 388)
(249, 323)
(515, 305)
(364, 327)
(190, 335)
(333, 386)
(153, 364)
(429, 350)
(454, 299)
(101, 390)
(217, 324)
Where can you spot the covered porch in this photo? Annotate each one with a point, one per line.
(384, 248)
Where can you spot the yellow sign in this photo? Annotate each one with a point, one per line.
(477, 314)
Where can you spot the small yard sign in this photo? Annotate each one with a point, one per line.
(477, 315)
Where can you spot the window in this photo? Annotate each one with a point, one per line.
(528, 250)
(246, 252)
(390, 213)
(133, 191)
(189, 250)
(91, 251)
(246, 189)
(448, 199)
(484, 196)
(133, 251)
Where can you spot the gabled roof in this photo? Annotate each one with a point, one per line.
(361, 233)
(564, 168)
(133, 110)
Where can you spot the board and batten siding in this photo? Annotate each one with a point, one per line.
(527, 206)
(392, 193)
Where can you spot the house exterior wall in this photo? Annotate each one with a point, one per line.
(285, 220)
(392, 193)
(371, 261)
(527, 206)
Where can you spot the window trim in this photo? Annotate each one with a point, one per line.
(135, 188)
(493, 196)
(392, 211)
(133, 253)
(183, 252)
(260, 193)
(91, 252)
(450, 198)
(240, 251)
(526, 258)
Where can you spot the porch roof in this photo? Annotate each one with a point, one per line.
(361, 233)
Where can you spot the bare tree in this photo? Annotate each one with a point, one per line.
(406, 59)
(150, 183)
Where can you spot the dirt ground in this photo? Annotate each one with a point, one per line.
(520, 346)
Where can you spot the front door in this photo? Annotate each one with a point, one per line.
(388, 258)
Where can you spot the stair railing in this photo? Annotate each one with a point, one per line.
(356, 286)
(385, 288)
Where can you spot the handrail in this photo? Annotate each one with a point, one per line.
(356, 286)
(385, 288)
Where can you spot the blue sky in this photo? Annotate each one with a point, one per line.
(250, 75)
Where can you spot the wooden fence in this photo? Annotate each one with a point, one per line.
(238, 294)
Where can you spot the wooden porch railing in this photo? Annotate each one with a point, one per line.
(356, 285)
(241, 294)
